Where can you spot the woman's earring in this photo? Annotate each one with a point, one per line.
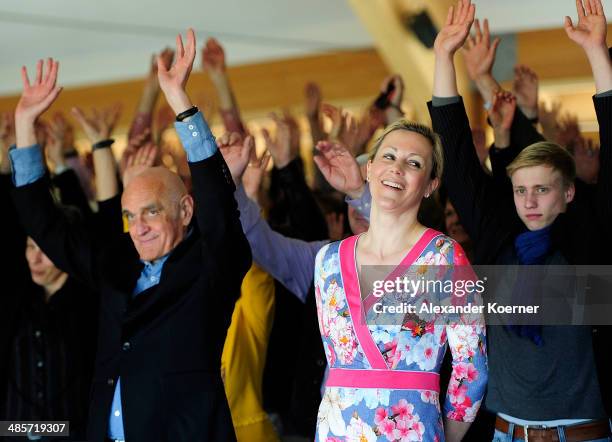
(426, 195)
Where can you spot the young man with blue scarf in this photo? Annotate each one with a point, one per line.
(545, 382)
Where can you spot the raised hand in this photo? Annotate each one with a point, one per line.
(501, 115)
(356, 133)
(549, 120)
(312, 93)
(285, 146)
(98, 125)
(172, 81)
(525, 88)
(313, 97)
(236, 151)
(586, 157)
(349, 134)
(166, 56)
(138, 160)
(479, 52)
(213, 57)
(38, 96)
(35, 100)
(134, 143)
(254, 173)
(393, 112)
(335, 114)
(339, 168)
(569, 131)
(590, 32)
(456, 29)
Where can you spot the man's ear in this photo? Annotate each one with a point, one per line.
(186, 209)
(569, 193)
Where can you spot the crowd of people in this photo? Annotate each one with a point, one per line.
(194, 293)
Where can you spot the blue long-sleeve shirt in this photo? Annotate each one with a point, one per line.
(199, 144)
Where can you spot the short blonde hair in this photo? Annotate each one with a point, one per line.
(546, 153)
(437, 153)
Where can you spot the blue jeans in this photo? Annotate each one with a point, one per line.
(504, 437)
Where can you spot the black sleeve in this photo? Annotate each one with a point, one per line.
(13, 265)
(217, 215)
(522, 134)
(297, 205)
(71, 192)
(603, 109)
(482, 207)
(66, 242)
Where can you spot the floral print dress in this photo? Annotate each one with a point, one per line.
(383, 381)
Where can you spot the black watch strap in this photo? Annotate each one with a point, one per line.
(102, 144)
(188, 113)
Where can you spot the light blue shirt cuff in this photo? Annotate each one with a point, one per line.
(27, 163)
(196, 137)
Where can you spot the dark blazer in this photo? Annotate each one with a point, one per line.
(166, 343)
(486, 208)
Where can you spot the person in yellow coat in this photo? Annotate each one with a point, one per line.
(244, 357)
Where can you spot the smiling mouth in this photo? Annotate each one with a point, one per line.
(392, 185)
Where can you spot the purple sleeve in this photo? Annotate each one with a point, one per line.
(290, 261)
(363, 203)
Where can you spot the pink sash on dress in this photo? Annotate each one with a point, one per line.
(379, 376)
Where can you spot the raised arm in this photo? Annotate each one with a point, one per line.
(216, 212)
(67, 244)
(143, 117)
(478, 202)
(14, 270)
(525, 88)
(293, 204)
(98, 126)
(213, 63)
(590, 34)
(290, 261)
(479, 55)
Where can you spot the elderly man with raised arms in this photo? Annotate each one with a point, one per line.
(168, 290)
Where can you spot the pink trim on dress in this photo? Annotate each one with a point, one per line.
(350, 281)
(387, 379)
(410, 258)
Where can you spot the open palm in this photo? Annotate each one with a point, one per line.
(590, 32)
(456, 29)
(172, 81)
(339, 167)
(40, 94)
(236, 152)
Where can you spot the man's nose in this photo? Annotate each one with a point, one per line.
(531, 202)
(140, 226)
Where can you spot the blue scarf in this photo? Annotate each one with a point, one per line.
(532, 248)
